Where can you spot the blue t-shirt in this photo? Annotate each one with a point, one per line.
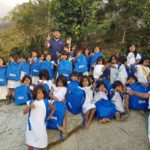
(55, 46)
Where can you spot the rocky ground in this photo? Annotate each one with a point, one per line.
(130, 135)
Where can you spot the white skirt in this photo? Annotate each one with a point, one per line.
(13, 84)
(87, 106)
(3, 92)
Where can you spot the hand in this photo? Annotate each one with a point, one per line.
(68, 41)
(131, 92)
(49, 117)
(48, 37)
(32, 106)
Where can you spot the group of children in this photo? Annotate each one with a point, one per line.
(45, 85)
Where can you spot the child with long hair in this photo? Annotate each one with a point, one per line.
(36, 135)
(88, 106)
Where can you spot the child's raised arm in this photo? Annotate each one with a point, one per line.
(52, 112)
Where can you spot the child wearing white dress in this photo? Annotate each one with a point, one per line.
(122, 69)
(36, 134)
(143, 71)
(101, 93)
(113, 68)
(58, 93)
(133, 57)
(99, 68)
(89, 105)
(3, 81)
(117, 99)
(13, 76)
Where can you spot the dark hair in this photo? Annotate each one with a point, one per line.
(133, 77)
(63, 79)
(85, 50)
(39, 87)
(44, 73)
(128, 49)
(143, 59)
(24, 57)
(74, 44)
(82, 78)
(74, 74)
(122, 59)
(100, 59)
(26, 77)
(111, 57)
(99, 83)
(117, 83)
(14, 56)
(65, 53)
(48, 54)
(36, 51)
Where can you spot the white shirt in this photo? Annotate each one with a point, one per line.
(60, 92)
(122, 74)
(131, 59)
(118, 101)
(142, 73)
(97, 72)
(99, 95)
(113, 73)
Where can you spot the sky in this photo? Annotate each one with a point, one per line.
(7, 5)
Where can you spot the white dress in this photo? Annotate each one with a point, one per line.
(37, 137)
(122, 74)
(89, 102)
(113, 73)
(99, 95)
(118, 101)
(60, 92)
(142, 73)
(3, 92)
(131, 58)
(12, 84)
(97, 72)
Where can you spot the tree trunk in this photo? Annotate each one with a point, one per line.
(124, 36)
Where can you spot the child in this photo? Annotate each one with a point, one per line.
(23, 92)
(86, 53)
(113, 68)
(13, 76)
(122, 69)
(81, 65)
(24, 66)
(97, 53)
(99, 68)
(73, 50)
(36, 135)
(88, 106)
(135, 102)
(35, 67)
(58, 93)
(105, 109)
(143, 71)
(45, 80)
(3, 81)
(133, 57)
(117, 99)
(41, 57)
(48, 65)
(65, 65)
